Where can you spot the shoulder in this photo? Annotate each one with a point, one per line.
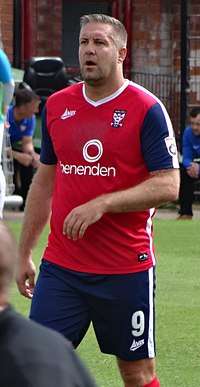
(10, 109)
(143, 95)
(146, 104)
(188, 132)
(40, 355)
(69, 92)
(31, 119)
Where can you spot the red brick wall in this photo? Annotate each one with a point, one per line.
(47, 27)
(194, 55)
(193, 96)
(48, 31)
(6, 19)
(176, 37)
(152, 46)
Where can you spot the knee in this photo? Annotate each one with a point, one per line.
(137, 373)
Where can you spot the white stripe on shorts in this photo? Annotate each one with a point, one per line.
(151, 347)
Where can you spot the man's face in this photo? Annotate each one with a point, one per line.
(195, 124)
(30, 108)
(98, 54)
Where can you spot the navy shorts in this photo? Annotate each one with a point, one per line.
(120, 307)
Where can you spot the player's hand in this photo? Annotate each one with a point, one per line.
(35, 160)
(23, 158)
(193, 170)
(26, 278)
(78, 220)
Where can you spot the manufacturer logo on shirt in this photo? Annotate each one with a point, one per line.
(118, 118)
(142, 257)
(68, 114)
(92, 152)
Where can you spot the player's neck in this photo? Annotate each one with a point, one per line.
(18, 116)
(97, 91)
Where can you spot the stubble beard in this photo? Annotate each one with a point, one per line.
(92, 78)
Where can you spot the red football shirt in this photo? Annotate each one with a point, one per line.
(101, 147)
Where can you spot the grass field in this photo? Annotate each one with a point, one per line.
(178, 309)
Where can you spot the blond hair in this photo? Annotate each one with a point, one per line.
(119, 31)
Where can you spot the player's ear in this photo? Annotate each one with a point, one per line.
(122, 54)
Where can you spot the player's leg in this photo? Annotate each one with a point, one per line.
(26, 176)
(57, 305)
(139, 373)
(123, 319)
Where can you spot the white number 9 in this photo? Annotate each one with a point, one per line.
(138, 323)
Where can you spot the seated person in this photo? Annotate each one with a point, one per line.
(22, 122)
(190, 168)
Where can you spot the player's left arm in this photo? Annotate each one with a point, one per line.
(160, 154)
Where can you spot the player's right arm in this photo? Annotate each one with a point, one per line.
(37, 212)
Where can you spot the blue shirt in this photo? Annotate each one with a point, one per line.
(191, 147)
(20, 129)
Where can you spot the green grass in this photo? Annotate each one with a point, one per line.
(178, 309)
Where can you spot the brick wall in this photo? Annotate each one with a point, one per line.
(6, 18)
(194, 55)
(153, 26)
(49, 28)
(176, 37)
(193, 96)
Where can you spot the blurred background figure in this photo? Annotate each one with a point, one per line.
(31, 355)
(6, 94)
(190, 168)
(22, 124)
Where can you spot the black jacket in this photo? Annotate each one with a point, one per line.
(34, 356)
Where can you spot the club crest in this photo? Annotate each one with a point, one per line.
(118, 118)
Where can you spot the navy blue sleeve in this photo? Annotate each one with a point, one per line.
(47, 154)
(157, 140)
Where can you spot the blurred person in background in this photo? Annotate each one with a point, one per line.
(190, 166)
(22, 124)
(6, 94)
(30, 354)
